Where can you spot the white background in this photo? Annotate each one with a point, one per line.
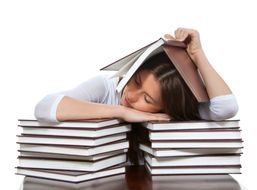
(48, 46)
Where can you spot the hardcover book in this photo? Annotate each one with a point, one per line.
(176, 51)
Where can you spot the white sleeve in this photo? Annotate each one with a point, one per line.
(94, 90)
(219, 108)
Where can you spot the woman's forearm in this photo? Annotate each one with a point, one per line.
(215, 85)
(73, 109)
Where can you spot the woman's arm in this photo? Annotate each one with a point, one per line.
(222, 104)
(215, 85)
(73, 109)
(92, 99)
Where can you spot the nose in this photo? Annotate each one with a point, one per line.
(133, 96)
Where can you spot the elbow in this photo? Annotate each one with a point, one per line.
(45, 110)
(225, 111)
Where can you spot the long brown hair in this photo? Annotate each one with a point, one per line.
(178, 100)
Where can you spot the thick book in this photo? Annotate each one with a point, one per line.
(71, 157)
(74, 150)
(70, 176)
(166, 152)
(76, 132)
(195, 134)
(176, 51)
(197, 143)
(204, 160)
(193, 170)
(89, 123)
(72, 165)
(59, 140)
(201, 124)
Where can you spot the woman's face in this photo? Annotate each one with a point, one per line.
(143, 92)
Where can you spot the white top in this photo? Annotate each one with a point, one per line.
(102, 89)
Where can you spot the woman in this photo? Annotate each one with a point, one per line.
(155, 92)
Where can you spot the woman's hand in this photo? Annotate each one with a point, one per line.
(192, 39)
(132, 115)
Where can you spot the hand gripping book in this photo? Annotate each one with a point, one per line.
(176, 51)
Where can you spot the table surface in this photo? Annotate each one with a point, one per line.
(137, 178)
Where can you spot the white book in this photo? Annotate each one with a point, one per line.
(193, 160)
(129, 65)
(193, 170)
(71, 157)
(74, 150)
(76, 132)
(196, 134)
(73, 165)
(59, 140)
(70, 176)
(201, 124)
(200, 143)
(89, 123)
(188, 151)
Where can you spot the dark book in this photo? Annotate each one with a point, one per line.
(89, 123)
(70, 176)
(176, 51)
(201, 124)
(76, 132)
(171, 152)
(234, 169)
(72, 165)
(74, 150)
(64, 140)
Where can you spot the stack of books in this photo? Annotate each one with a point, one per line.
(197, 147)
(72, 151)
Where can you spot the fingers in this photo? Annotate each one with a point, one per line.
(160, 117)
(182, 33)
(169, 37)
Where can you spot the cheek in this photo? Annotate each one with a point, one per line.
(141, 105)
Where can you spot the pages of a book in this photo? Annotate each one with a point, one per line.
(89, 124)
(201, 124)
(70, 176)
(69, 132)
(196, 134)
(193, 170)
(73, 165)
(168, 152)
(207, 160)
(71, 157)
(59, 140)
(74, 150)
(200, 143)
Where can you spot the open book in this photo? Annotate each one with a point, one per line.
(176, 51)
